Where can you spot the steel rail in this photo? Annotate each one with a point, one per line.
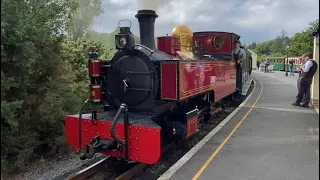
(88, 171)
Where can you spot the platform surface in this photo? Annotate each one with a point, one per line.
(275, 140)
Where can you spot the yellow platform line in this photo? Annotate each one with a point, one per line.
(205, 165)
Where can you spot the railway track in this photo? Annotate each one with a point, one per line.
(137, 168)
(89, 171)
(131, 172)
(98, 166)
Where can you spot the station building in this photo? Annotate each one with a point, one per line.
(315, 82)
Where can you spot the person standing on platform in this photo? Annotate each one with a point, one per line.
(291, 66)
(302, 60)
(239, 55)
(308, 69)
(266, 64)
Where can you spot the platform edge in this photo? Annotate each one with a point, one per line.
(184, 159)
(316, 108)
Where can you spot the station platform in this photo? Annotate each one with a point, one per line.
(265, 138)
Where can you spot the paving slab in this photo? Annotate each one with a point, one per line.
(275, 141)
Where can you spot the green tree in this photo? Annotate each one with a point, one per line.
(301, 43)
(32, 78)
(263, 48)
(252, 45)
(75, 53)
(107, 40)
(43, 76)
(83, 18)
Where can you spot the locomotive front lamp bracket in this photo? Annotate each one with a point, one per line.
(125, 39)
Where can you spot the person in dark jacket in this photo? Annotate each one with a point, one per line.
(291, 66)
(266, 64)
(308, 69)
(239, 55)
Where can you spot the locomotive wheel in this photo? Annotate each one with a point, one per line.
(207, 116)
(176, 130)
(180, 132)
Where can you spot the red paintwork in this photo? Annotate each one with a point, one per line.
(202, 76)
(198, 77)
(192, 125)
(169, 80)
(96, 93)
(144, 142)
(206, 38)
(168, 44)
(94, 68)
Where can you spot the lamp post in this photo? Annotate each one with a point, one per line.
(285, 69)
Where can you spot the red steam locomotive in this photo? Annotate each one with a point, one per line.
(151, 96)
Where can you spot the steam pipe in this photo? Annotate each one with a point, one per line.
(122, 108)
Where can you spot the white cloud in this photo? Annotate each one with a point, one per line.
(252, 19)
(203, 18)
(121, 2)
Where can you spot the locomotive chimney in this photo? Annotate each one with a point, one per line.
(146, 20)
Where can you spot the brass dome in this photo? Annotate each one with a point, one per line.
(184, 35)
(182, 30)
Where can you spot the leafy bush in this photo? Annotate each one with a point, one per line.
(43, 78)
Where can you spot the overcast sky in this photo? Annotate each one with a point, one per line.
(253, 20)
